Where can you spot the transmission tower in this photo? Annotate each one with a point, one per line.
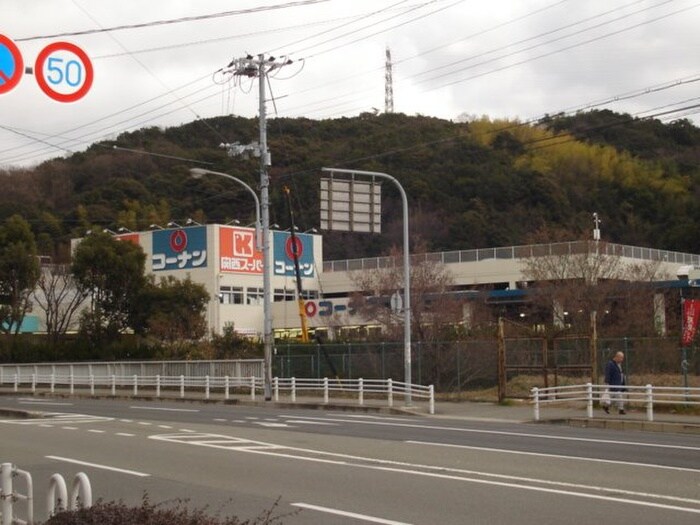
(388, 85)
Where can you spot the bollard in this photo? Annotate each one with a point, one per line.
(536, 402)
(390, 388)
(92, 385)
(53, 382)
(431, 405)
(56, 502)
(206, 387)
(294, 390)
(325, 390)
(136, 385)
(157, 385)
(589, 400)
(182, 386)
(81, 492)
(33, 383)
(252, 388)
(72, 383)
(276, 387)
(650, 403)
(16, 382)
(114, 385)
(7, 494)
(226, 394)
(361, 391)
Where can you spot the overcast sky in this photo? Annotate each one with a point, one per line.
(501, 58)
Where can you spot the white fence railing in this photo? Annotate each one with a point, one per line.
(56, 500)
(646, 396)
(157, 385)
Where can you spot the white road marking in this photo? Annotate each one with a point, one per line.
(503, 433)
(238, 421)
(186, 430)
(164, 426)
(103, 467)
(557, 456)
(166, 409)
(220, 420)
(500, 480)
(126, 420)
(58, 418)
(96, 431)
(272, 425)
(363, 517)
(125, 434)
(252, 418)
(69, 428)
(302, 422)
(364, 416)
(34, 402)
(145, 424)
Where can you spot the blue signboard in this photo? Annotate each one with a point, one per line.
(11, 64)
(283, 254)
(181, 249)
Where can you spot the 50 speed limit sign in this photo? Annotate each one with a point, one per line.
(64, 72)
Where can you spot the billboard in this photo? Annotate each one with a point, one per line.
(129, 237)
(283, 255)
(181, 249)
(237, 251)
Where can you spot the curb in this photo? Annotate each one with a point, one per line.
(619, 424)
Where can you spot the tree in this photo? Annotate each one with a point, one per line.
(112, 274)
(59, 296)
(19, 271)
(171, 311)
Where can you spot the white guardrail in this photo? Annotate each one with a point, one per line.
(56, 499)
(251, 386)
(646, 396)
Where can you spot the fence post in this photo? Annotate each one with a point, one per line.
(589, 400)
(390, 388)
(226, 394)
(72, 383)
(33, 383)
(114, 385)
(182, 386)
(431, 406)
(325, 390)
(294, 390)
(536, 400)
(276, 385)
(650, 403)
(6, 489)
(361, 391)
(53, 382)
(16, 386)
(92, 385)
(136, 385)
(157, 385)
(252, 388)
(206, 387)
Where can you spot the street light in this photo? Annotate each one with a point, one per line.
(261, 236)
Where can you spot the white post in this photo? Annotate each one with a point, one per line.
(16, 382)
(206, 387)
(72, 383)
(182, 386)
(226, 394)
(56, 483)
(157, 385)
(252, 388)
(92, 385)
(33, 383)
(136, 385)
(325, 390)
(114, 385)
(81, 492)
(390, 388)
(7, 494)
(53, 382)
(277, 388)
(361, 391)
(650, 403)
(431, 406)
(589, 400)
(294, 390)
(536, 399)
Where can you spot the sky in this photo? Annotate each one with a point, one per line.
(452, 59)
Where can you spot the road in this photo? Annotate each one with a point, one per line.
(347, 468)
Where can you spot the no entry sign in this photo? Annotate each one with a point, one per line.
(11, 64)
(64, 72)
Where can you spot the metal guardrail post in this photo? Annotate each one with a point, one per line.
(294, 390)
(650, 402)
(33, 383)
(536, 400)
(206, 387)
(276, 388)
(325, 390)
(157, 385)
(81, 492)
(390, 388)
(431, 407)
(6, 493)
(53, 382)
(182, 386)
(56, 502)
(16, 385)
(136, 385)
(252, 388)
(72, 383)
(361, 391)
(589, 400)
(92, 385)
(114, 385)
(226, 388)
(28, 497)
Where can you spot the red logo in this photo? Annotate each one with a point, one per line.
(178, 241)
(289, 248)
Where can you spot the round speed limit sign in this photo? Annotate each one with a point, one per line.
(64, 72)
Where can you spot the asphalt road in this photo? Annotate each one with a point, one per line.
(338, 467)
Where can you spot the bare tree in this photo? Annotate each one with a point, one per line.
(59, 296)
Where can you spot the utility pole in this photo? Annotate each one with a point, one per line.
(259, 67)
(388, 84)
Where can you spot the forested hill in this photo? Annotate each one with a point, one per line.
(470, 184)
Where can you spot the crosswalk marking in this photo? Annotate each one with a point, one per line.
(216, 441)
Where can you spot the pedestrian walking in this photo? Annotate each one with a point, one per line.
(615, 379)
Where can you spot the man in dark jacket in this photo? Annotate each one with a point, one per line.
(615, 378)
